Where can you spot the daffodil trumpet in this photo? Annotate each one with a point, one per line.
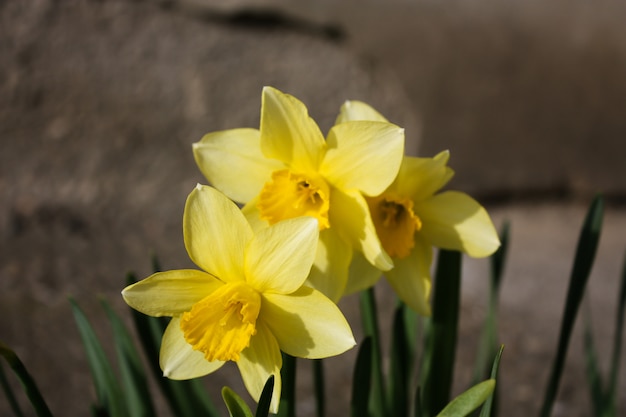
(247, 303)
(287, 169)
(411, 217)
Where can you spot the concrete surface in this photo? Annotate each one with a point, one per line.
(100, 101)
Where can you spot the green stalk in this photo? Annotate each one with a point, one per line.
(585, 254)
(287, 407)
(369, 315)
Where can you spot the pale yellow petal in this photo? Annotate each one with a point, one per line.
(232, 161)
(170, 293)
(216, 233)
(258, 362)
(307, 324)
(420, 178)
(253, 215)
(288, 134)
(353, 110)
(330, 268)
(363, 155)
(178, 359)
(279, 257)
(410, 277)
(455, 221)
(350, 215)
(362, 274)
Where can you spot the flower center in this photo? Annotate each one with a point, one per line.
(222, 323)
(395, 223)
(290, 195)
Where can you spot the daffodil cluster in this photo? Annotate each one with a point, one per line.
(322, 217)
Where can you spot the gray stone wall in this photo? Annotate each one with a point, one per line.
(101, 100)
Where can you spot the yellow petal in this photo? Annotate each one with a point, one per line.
(330, 268)
(420, 178)
(170, 293)
(279, 257)
(410, 277)
(361, 275)
(216, 233)
(350, 215)
(251, 211)
(288, 134)
(306, 324)
(357, 110)
(363, 155)
(454, 221)
(220, 154)
(258, 362)
(178, 359)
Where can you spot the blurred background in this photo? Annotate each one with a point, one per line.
(100, 102)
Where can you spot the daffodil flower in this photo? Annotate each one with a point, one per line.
(287, 169)
(410, 218)
(247, 304)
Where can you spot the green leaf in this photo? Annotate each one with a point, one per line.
(399, 376)
(369, 316)
(263, 408)
(287, 407)
(6, 387)
(489, 403)
(488, 342)
(236, 406)
(585, 254)
(617, 343)
(361, 381)
(319, 387)
(438, 361)
(110, 396)
(138, 398)
(469, 401)
(27, 381)
(594, 377)
(185, 398)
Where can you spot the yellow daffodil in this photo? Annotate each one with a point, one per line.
(249, 304)
(410, 218)
(287, 169)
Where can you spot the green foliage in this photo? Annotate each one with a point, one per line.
(585, 254)
(415, 383)
(27, 381)
(469, 401)
(440, 344)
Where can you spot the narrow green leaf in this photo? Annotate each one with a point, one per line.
(469, 401)
(138, 398)
(617, 342)
(263, 408)
(236, 406)
(361, 380)
(441, 339)
(8, 392)
(585, 254)
(418, 409)
(487, 348)
(498, 259)
(369, 316)
(287, 407)
(319, 387)
(110, 396)
(399, 375)
(594, 377)
(185, 398)
(489, 408)
(27, 381)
